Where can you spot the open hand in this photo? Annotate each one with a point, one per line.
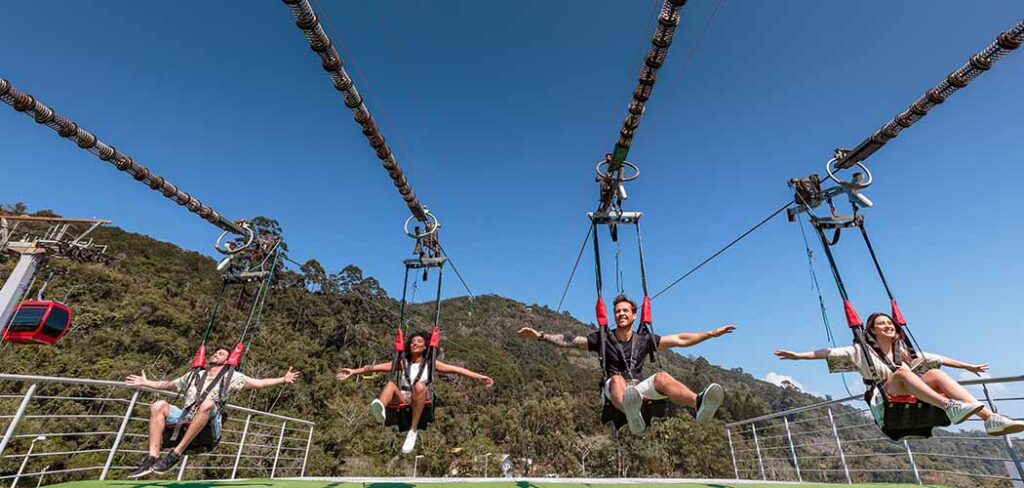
(345, 374)
(529, 333)
(133, 380)
(781, 354)
(290, 376)
(977, 368)
(721, 331)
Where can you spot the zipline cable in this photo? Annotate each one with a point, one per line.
(722, 250)
(321, 44)
(978, 64)
(27, 104)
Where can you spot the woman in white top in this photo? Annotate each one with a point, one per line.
(902, 372)
(413, 390)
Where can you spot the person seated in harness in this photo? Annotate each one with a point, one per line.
(205, 393)
(415, 379)
(903, 372)
(626, 352)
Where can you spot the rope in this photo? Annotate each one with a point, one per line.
(693, 50)
(572, 274)
(722, 250)
(64, 127)
(978, 64)
(308, 22)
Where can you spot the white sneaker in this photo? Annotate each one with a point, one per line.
(958, 411)
(1002, 425)
(377, 409)
(631, 405)
(410, 442)
(708, 402)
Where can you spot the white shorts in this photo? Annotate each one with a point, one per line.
(645, 387)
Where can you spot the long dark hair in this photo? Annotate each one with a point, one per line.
(408, 343)
(900, 353)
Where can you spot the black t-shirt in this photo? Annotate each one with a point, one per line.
(627, 355)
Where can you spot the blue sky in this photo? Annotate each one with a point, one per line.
(498, 112)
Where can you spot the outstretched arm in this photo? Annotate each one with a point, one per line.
(687, 339)
(974, 368)
(819, 354)
(450, 369)
(140, 380)
(559, 340)
(345, 373)
(288, 378)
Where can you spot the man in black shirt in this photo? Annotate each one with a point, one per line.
(625, 354)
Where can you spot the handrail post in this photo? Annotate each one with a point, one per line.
(309, 442)
(1009, 442)
(839, 444)
(913, 464)
(181, 470)
(120, 434)
(792, 450)
(732, 452)
(17, 416)
(277, 453)
(757, 448)
(241, 444)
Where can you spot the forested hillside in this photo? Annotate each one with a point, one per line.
(148, 310)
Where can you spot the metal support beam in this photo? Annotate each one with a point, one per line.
(17, 416)
(839, 445)
(241, 444)
(757, 448)
(913, 464)
(120, 434)
(309, 443)
(1014, 457)
(181, 470)
(732, 452)
(277, 452)
(17, 284)
(792, 451)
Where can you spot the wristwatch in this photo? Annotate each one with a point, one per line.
(540, 337)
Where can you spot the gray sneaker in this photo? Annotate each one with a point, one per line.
(631, 404)
(377, 409)
(708, 402)
(1002, 425)
(958, 411)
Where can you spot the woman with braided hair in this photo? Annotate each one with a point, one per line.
(415, 380)
(901, 371)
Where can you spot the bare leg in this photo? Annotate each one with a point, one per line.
(389, 393)
(677, 392)
(199, 421)
(905, 382)
(158, 413)
(419, 400)
(940, 381)
(616, 387)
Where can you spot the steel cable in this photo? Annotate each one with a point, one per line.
(961, 77)
(27, 104)
(321, 44)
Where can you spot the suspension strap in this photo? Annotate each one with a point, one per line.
(646, 317)
(897, 314)
(601, 309)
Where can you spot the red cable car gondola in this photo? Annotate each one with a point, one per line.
(42, 322)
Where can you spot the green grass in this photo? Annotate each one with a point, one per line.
(266, 483)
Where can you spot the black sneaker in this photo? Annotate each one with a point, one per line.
(145, 468)
(167, 462)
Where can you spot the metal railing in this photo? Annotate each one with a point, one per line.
(838, 441)
(64, 429)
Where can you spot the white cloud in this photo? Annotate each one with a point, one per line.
(777, 379)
